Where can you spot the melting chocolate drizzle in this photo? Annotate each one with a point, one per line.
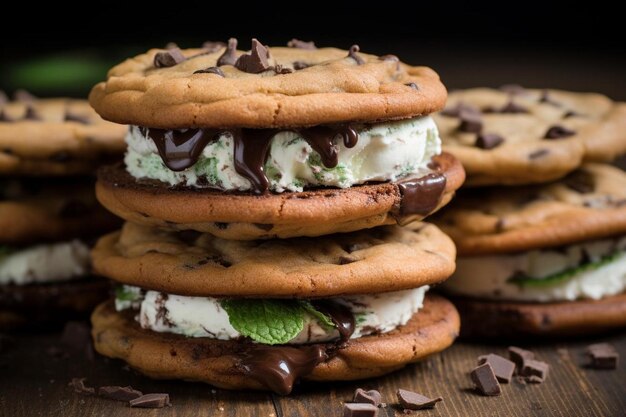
(421, 195)
(180, 149)
(278, 367)
(340, 315)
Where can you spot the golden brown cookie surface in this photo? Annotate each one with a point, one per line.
(169, 356)
(383, 259)
(291, 87)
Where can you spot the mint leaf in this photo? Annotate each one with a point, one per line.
(559, 277)
(125, 293)
(321, 317)
(271, 322)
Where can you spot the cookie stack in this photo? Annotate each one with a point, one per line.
(548, 258)
(48, 210)
(262, 192)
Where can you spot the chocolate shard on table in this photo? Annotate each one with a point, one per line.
(157, 400)
(536, 368)
(371, 397)
(118, 393)
(502, 367)
(519, 355)
(79, 386)
(485, 380)
(360, 410)
(602, 356)
(410, 400)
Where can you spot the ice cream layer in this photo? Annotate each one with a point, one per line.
(206, 317)
(384, 152)
(590, 270)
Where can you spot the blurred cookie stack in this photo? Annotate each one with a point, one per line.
(262, 191)
(540, 226)
(49, 149)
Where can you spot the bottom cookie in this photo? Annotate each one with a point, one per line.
(37, 305)
(240, 364)
(482, 318)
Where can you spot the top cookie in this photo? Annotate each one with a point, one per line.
(522, 136)
(590, 203)
(54, 137)
(218, 86)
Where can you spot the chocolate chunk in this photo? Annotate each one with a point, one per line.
(359, 410)
(485, 380)
(413, 401)
(31, 114)
(73, 117)
(488, 140)
(502, 368)
(353, 54)
(470, 122)
(119, 393)
(298, 65)
(211, 46)
(23, 96)
(151, 401)
(538, 153)
(460, 108)
(512, 89)
(255, 61)
(168, 58)
(229, 57)
(370, 397)
(279, 69)
(580, 181)
(4, 99)
(412, 85)
(210, 70)
(79, 386)
(559, 132)
(519, 355)
(297, 43)
(513, 108)
(603, 356)
(534, 367)
(389, 57)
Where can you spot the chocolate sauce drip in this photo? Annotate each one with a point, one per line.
(340, 315)
(278, 367)
(180, 149)
(421, 195)
(251, 150)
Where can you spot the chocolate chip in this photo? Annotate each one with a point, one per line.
(460, 108)
(534, 367)
(471, 122)
(519, 355)
(31, 114)
(352, 53)
(502, 368)
(559, 132)
(298, 65)
(359, 410)
(485, 380)
(211, 46)
(210, 70)
(571, 113)
(168, 58)
(73, 117)
(580, 181)
(512, 89)
(297, 43)
(510, 107)
(119, 393)
(254, 62)
(538, 153)
(279, 69)
(151, 401)
(413, 401)
(488, 140)
(344, 260)
(412, 85)
(23, 96)
(602, 356)
(229, 57)
(79, 386)
(389, 57)
(370, 397)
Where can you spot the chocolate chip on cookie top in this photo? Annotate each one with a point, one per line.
(266, 87)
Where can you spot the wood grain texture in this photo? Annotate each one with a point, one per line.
(34, 383)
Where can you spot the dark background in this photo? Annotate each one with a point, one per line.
(536, 44)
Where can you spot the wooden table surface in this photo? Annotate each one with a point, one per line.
(34, 382)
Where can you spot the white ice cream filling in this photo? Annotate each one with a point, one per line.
(384, 152)
(589, 270)
(54, 262)
(205, 317)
